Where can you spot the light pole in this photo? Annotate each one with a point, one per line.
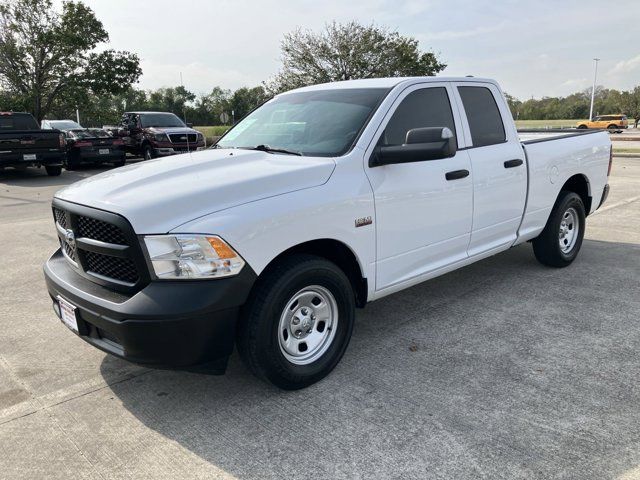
(593, 89)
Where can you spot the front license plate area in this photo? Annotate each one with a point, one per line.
(29, 156)
(68, 314)
(103, 151)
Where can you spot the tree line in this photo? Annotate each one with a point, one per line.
(577, 105)
(51, 65)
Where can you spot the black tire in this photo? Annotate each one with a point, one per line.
(258, 338)
(120, 163)
(546, 246)
(582, 127)
(71, 162)
(53, 170)
(147, 152)
(612, 128)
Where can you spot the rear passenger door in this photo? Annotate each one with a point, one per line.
(498, 166)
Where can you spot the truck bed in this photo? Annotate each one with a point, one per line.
(528, 136)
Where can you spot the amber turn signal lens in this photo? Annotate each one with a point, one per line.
(222, 249)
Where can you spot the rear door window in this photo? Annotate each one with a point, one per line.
(485, 121)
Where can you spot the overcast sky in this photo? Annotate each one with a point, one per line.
(532, 47)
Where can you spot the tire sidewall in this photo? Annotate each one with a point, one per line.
(571, 200)
(281, 294)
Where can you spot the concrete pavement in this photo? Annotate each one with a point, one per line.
(504, 369)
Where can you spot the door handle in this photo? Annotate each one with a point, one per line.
(456, 174)
(513, 163)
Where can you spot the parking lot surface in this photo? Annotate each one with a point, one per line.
(504, 369)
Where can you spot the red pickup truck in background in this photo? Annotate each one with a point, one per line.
(156, 134)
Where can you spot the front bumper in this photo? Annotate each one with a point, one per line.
(167, 324)
(164, 149)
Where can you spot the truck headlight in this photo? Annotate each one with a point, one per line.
(185, 256)
(161, 137)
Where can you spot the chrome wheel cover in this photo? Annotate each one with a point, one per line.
(308, 325)
(569, 230)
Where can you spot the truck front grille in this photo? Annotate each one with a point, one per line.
(122, 269)
(99, 230)
(183, 137)
(101, 246)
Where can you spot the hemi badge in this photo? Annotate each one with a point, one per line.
(361, 222)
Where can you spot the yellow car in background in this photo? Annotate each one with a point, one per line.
(613, 123)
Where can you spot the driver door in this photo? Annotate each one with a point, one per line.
(423, 216)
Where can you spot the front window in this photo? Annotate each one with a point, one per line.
(322, 123)
(160, 120)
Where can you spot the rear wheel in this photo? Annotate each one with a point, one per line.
(612, 128)
(560, 241)
(582, 127)
(298, 322)
(53, 170)
(72, 161)
(120, 163)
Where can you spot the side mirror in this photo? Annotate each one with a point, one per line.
(421, 144)
(190, 125)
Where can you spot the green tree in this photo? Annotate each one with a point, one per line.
(246, 99)
(171, 99)
(630, 104)
(47, 54)
(514, 105)
(349, 51)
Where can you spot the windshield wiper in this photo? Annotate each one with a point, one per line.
(267, 148)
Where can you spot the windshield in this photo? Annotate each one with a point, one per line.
(64, 124)
(160, 120)
(321, 123)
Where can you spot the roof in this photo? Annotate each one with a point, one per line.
(389, 82)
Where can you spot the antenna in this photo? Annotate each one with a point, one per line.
(184, 116)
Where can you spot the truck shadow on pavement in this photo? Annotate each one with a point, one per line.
(502, 369)
(37, 177)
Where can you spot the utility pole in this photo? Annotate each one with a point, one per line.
(593, 89)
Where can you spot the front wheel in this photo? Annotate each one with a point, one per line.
(147, 152)
(298, 322)
(560, 241)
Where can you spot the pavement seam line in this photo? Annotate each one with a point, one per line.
(79, 395)
(47, 410)
(621, 203)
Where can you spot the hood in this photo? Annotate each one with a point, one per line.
(159, 195)
(171, 130)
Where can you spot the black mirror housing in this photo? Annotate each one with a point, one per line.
(421, 144)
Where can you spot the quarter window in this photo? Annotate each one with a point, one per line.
(483, 115)
(427, 107)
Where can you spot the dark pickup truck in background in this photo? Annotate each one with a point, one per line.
(23, 144)
(157, 134)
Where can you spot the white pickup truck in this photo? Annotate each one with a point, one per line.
(321, 200)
